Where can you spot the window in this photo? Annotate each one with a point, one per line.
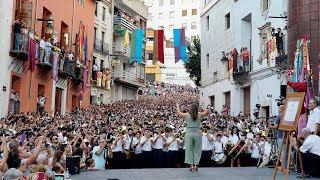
(227, 17)
(171, 2)
(103, 14)
(150, 56)
(171, 14)
(194, 25)
(193, 38)
(171, 27)
(194, 12)
(184, 25)
(208, 22)
(102, 36)
(96, 9)
(184, 13)
(161, 2)
(94, 60)
(95, 34)
(101, 65)
(150, 76)
(160, 16)
(207, 58)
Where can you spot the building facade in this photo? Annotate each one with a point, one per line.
(102, 47)
(33, 71)
(169, 15)
(127, 77)
(228, 25)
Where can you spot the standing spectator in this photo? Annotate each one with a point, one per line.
(234, 55)
(99, 154)
(94, 72)
(279, 41)
(42, 48)
(314, 117)
(48, 50)
(12, 100)
(16, 103)
(246, 59)
(42, 102)
(17, 26)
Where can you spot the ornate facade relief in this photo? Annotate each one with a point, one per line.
(265, 36)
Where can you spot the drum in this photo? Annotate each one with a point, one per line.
(237, 149)
(219, 158)
(73, 164)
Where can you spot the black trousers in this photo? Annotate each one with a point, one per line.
(311, 164)
(146, 159)
(129, 162)
(165, 159)
(157, 158)
(172, 159)
(181, 158)
(205, 160)
(117, 161)
(254, 161)
(137, 159)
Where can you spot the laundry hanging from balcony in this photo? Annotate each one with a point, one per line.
(158, 46)
(32, 54)
(136, 46)
(179, 41)
(120, 31)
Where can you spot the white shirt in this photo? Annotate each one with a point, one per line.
(42, 101)
(234, 139)
(224, 140)
(70, 56)
(313, 119)
(147, 145)
(42, 44)
(138, 149)
(127, 142)
(311, 145)
(255, 151)
(118, 146)
(218, 147)
(206, 144)
(266, 150)
(174, 145)
(95, 67)
(159, 143)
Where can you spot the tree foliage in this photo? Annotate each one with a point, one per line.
(193, 65)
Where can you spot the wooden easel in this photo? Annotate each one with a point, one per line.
(289, 124)
(287, 138)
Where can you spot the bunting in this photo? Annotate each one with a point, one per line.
(180, 50)
(158, 46)
(136, 46)
(32, 54)
(86, 58)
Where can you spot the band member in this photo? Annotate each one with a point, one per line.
(145, 143)
(218, 147)
(266, 151)
(173, 148)
(129, 147)
(234, 138)
(246, 153)
(207, 145)
(158, 144)
(256, 148)
(117, 150)
(137, 151)
(165, 150)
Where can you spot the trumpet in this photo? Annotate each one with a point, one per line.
(123, 132)
(120, 129)
(205, 132)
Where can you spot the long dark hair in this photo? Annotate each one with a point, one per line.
(193, 111)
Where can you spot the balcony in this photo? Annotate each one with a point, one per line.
(241, 75)
(120, 21)
(282, 63)
(20, 47)
(127, 78)
(101, 46)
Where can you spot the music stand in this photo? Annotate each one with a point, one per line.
(289, 123)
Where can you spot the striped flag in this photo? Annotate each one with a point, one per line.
(136, 45)
(158, 46)
(180, 50)
(86, 58)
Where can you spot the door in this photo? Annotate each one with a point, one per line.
(246, 100)
(58, 98)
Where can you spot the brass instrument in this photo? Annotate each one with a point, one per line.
(120, 129)
(177, 136)
(205, 132)
(150, 136)
(123, 132)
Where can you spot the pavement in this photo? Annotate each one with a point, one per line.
(243, 173)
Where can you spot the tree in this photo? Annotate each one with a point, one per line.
(193, 65)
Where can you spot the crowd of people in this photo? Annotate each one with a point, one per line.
(142, 133)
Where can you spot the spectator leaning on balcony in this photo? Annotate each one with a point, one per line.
(71, 64)
(17, 26)
(62, 58)
(48, 47)
(245, 58)
(94, 72)
(42, 47)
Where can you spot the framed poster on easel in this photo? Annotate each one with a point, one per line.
(289, 124)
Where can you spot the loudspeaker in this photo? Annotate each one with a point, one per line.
(73, 164)
(283, 90)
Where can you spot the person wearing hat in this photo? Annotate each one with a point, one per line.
(43, 160)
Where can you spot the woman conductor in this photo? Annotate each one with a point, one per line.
(193, 135)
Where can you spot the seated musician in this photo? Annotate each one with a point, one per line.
(310, 151)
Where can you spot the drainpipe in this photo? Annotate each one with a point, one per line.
(72, 29)
(34, 30)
